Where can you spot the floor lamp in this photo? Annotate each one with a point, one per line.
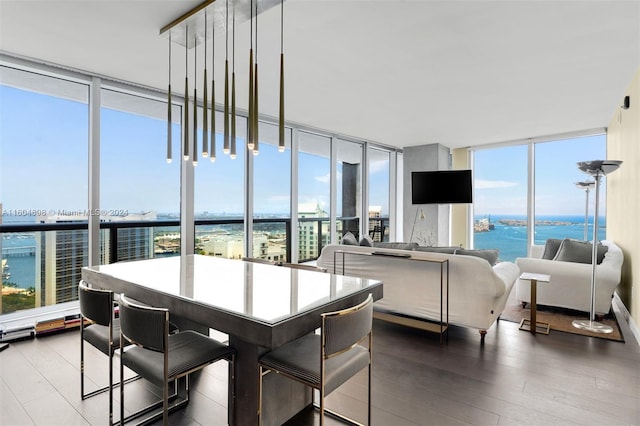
(597, 169)
(587, 186)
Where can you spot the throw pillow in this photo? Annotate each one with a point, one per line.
(551, 248)
(489, 255)
(349, 239)
(445, 250)
(579, 252)
(397, 246)
(366, 241)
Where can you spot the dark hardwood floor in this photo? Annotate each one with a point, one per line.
(515, 378)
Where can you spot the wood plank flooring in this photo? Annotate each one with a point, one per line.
(514, 379)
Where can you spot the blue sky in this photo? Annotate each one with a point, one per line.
(501, 177)
(44, 157)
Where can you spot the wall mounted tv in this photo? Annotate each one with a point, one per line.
(441, 187)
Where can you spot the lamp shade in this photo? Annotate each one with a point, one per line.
(596, 167)
(588, 184)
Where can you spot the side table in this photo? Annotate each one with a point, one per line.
(532, 324)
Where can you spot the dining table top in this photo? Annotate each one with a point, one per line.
(263, 294)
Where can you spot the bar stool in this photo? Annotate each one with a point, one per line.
(161, 357)
(340, 350)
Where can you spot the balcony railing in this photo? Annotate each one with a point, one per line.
(46, 258)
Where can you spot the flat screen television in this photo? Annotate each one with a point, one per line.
(441, 187)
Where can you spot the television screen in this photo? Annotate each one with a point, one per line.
(441, 187)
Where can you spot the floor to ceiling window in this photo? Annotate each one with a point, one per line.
(46, 166)
(560, 204)
(314, 195)
(271, 195)
(136, 183)
(219, 196)
(500, 200)
(43, 174)
(349, 187)
(501, 194)
(379, 181)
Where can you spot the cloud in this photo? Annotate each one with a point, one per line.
(323, 179)
(327, 178)
(494, 184)
(378, 166)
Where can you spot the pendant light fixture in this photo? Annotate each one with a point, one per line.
(205, 100)
(212, 136)
(226, 85)
(250, 110)
(194, 25)
(256, 147)
(233, 87)
(281, 141)
(169, 154)
(185, 123)
(194, 154)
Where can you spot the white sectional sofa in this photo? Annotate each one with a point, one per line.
(477, 290)
(570, 285)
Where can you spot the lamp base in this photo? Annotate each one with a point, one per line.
(593, 326)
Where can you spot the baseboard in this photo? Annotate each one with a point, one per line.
(626, 315)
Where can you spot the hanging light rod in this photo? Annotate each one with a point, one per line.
(215, 16)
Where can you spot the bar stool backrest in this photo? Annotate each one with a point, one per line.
(344, 329)
(96, 304)
(144, 325)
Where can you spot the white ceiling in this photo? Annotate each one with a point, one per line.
(400, 73)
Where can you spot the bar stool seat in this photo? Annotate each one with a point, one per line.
(300, 359)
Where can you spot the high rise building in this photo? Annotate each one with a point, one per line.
(376, 227)
(311, 235)
(60, 255)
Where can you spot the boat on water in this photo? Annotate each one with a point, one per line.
(5, 270)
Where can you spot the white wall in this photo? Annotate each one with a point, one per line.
(623, 195)
(434, 228)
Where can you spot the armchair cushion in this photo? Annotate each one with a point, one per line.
(578, 251)
(551, 248)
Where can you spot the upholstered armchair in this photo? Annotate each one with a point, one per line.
(570, 285)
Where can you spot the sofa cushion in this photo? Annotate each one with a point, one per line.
(349, 239)
(397, 246)
(445, 250)
(551, 248)
(366, 241)
(579, 251)
(489, 255)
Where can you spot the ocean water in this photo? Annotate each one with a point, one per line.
(511, 240)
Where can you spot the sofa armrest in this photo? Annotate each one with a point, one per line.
(508, 272)
(536, 251)
(559, 270)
